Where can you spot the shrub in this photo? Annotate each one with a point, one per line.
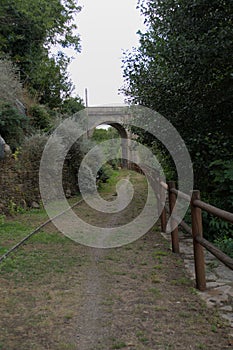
(105, 173)
(40, 117)
(13, 125)
(10, 86)
(29, 163)
(226, 245)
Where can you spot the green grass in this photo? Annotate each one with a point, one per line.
(155, 291)
(43, 254)
(36, 263)
(159, 253)
(111, 182)
(13, 231)
(48, 250)
(119, 345)
(141, 337)
(181, 281)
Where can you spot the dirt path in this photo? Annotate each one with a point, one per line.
(60, 295)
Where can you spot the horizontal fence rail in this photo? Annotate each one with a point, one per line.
(197, 206)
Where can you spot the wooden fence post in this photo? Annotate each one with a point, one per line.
(154, 181)
(163, 216)
(197, 247)
(172, 202)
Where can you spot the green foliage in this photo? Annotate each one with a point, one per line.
(29, 163)
(113, 146)
(220, 195)
(119, 345)
(48, 79)
(10, 86)
(40, 117)
(183, 70)
(225, 243)
(105, 172)
(31, 151)
(221, 172)
(71, 106)
(165, 160)
(13, 125)
(218, 231)
(27, 34)
(101, 135)
(27, 26)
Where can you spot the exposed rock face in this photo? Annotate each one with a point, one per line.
(35, 205)
(2, 147)
(19, 184)
(5, 149)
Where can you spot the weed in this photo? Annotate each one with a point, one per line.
(158, 267)
(112, 258)
(160, 308)
(154, 278)
(2, 221)
(119, 345)
(184, 314)
(128, 247)
(108, 302)
(119, 273)
(212, 265)
(214, 328)
(179, 262)
(159, 253)
(154, 291)
(193, 291)
(184, 281)
(141, 337)
(68, 316)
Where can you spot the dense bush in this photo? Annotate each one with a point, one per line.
(105, 173)
(29, 163)
(13, 125)
(10, 85)
(225, 244)
(40, 118)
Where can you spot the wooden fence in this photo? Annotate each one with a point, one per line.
(168, 190)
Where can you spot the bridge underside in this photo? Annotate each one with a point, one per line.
(115, 117)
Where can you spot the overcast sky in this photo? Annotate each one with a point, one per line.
(106, 27)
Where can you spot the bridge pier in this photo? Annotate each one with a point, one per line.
(115, 117)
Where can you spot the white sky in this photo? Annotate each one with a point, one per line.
(106, 28)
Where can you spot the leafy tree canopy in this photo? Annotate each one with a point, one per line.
(28, 31)
(183, 69)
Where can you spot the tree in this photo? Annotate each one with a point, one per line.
(183, 69)
(28, 31)
(72, 105)
(13, 121)
(13, 125)
(10, 86)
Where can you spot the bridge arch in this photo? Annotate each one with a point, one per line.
(115, 117)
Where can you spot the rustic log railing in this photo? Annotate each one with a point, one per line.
(197, 205)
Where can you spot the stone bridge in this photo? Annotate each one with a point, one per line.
(117, 118)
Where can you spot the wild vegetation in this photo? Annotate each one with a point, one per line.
(35, 88)
(58, 294)
(183, 69)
